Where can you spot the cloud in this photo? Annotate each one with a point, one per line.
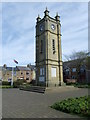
(18, 33)
(75, 29)
(0, 33)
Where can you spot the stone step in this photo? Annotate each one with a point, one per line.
(38, 89)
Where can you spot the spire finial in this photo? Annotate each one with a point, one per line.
(46, 8)
(56, 13)
(38, 16)
(57, 16)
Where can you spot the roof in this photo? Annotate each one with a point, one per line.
(32, 67)
(23, 68)
(7, 68)
(70, 63)
(73, 63)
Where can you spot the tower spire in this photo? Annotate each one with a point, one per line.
(46, 12)
(38, 18)
(57, 17)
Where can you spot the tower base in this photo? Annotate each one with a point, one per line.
(62, 84)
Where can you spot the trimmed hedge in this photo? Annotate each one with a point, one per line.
(16, 84)
(6, 83)
(74, 105)
(82, 85)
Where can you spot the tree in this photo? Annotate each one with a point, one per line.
(78, 59)
(77, 55)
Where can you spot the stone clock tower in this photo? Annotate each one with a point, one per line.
(48, 51)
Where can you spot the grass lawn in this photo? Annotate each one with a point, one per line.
(79, 85)
(82, 86)
(78, 106)
(6, 86)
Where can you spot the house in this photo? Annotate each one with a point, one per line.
(7, 74)
(72, 74)
(25, 73)
(18, 72)
(0, 73)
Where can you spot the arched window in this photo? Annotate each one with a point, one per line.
(41, 46)
(53, 46)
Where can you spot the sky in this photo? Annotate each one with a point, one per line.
(18, 29)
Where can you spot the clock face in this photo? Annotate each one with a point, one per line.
(53, 27)
(41, 27)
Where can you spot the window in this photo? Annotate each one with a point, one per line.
(73, 77)
(41, 71)
(21, 77)
(41, 46)
(27, 78)
(53, 46)
(53, 72)
(82, 69)
(15, 73)
(21, 73)
(41, 79)
(9, 79)
(67, 69)
(27, 73)
(73, 69)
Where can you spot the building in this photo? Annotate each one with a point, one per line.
(26, 73)
(0, 73)
(6, 73)
(70, 72)
(49, 70)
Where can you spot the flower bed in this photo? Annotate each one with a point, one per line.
(78, 106)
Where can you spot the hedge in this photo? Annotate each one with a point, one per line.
(6, 83)
(16, 84)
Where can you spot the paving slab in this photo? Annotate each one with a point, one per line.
(24, 104)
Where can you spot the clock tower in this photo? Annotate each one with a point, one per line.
(49, 71)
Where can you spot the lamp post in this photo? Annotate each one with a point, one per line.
(12, 72)
(12, 77)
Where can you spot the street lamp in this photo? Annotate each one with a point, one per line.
(12, 72)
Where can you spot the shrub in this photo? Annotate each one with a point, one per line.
(74, 105)
(82, 85)
(6, 83)
(17, 83)
(70, 83)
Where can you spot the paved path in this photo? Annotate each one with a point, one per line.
(24, 104)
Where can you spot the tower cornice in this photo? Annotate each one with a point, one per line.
(48, 31)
